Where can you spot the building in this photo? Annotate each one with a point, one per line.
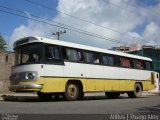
(124, 48)
(121, 48)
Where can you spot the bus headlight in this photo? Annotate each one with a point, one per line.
(30, 76)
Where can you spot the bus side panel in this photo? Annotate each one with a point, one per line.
(126, 85)
(128, 78)
(58, 84)
(95, 85)
(111, 85)
(88, 74)
(94, 77)
(111, 75)
(54, 85)
(54, 80)
(145, 85)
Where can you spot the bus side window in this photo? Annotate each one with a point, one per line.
(89, 57)
(148, 65)
(108, 60)
(138, 64)
(96, 59)
(125, 62)
(64, 54)
(73, 55)
(52, 54)
(116, 61)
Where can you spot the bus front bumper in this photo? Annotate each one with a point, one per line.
(25, 87)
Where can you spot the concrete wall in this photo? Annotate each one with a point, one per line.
(5, 70)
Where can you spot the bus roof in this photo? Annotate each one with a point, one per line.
(33, 39)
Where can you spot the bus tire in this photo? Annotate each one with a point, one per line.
(72, 91)
(44, 96)
(112, 95)
(137, 91)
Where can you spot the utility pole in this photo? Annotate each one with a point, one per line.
(59, 33)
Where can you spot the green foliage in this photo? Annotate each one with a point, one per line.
(2, 43)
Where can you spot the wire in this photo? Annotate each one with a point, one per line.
(79, 31)
(146, 10)
(90, 22)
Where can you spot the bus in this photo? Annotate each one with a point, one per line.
(53, 67)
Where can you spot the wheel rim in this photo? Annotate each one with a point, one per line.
(72, 90)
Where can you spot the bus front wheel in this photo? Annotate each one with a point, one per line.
(72, 91)
(44, 96)
(137, 91)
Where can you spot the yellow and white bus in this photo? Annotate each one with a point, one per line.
(52, 67)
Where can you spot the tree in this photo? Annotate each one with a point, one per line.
(2, 43)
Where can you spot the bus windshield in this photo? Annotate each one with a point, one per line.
(28, 54)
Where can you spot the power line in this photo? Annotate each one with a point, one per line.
(131, 11)
(59, 23)
(90, 22)
(78, 31)
(146, 10)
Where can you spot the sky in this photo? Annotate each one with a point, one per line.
(118, 22)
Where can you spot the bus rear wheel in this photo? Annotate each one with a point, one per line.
(137, 91)
(72, 91)
(112, 95)
(44, 96)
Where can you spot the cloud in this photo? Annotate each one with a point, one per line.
(119, 15)
(151, 34)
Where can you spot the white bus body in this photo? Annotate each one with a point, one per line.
(58, 76)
